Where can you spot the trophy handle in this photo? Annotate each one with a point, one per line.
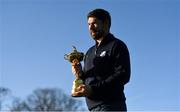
(66, 57)
(74, 48)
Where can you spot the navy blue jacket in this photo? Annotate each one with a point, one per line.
(106, 71)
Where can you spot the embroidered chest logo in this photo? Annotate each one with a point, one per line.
(103, 53)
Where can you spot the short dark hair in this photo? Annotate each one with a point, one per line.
(101, 14)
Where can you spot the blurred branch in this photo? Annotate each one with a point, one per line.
(3, 93)
(47, 100)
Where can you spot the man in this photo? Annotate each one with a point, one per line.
(106, 67)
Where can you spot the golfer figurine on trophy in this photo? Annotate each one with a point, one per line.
(75, 57)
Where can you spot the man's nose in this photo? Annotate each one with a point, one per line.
(91, 27)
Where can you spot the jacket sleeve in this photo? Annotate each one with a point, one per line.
(121, 74)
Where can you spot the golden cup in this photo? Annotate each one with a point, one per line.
(79, 57)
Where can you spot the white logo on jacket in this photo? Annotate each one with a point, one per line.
(103, 54)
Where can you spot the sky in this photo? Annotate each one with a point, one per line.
(35, 35)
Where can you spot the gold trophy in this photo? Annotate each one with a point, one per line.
(79, 57)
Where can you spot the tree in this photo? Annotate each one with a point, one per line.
(3, 93)
(47, 100)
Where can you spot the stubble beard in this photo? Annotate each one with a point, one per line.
(96, 34)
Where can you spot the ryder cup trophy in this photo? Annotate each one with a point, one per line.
(78, 57)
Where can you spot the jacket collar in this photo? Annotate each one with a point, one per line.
(105, 40)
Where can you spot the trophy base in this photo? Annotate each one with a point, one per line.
(76, 83)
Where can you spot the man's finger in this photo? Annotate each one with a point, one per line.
(81, 88)
(78, 93)
(75, 62)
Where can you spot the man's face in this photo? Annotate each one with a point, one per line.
(96, 28)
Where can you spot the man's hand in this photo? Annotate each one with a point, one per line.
(76, 68)
(83, 90)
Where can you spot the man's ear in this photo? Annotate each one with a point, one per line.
(106, 25)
